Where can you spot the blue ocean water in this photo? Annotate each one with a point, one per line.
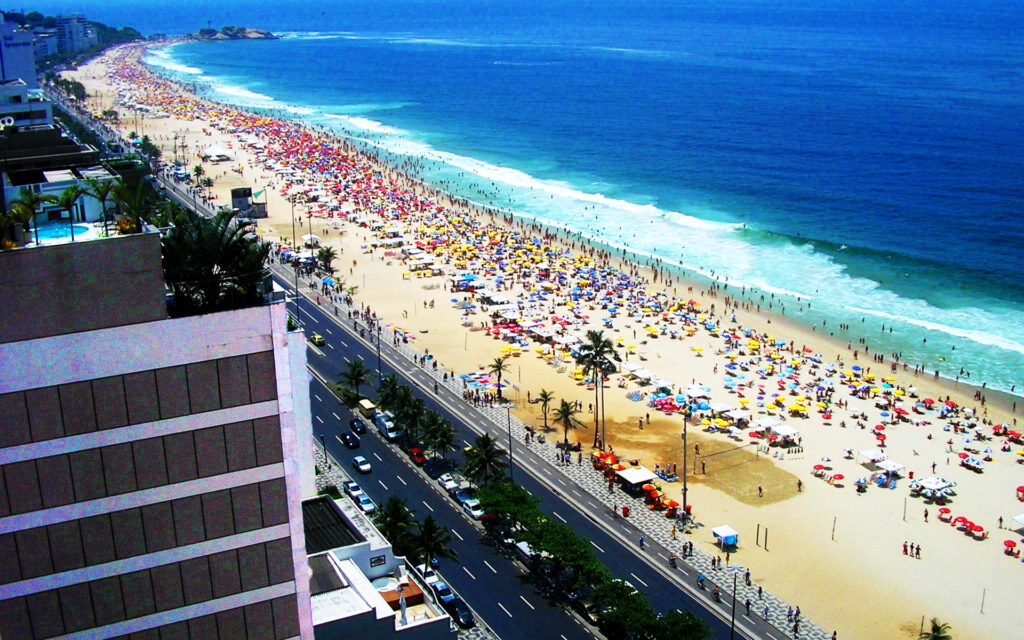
(867, 159)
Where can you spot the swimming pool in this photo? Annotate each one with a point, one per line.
(60, 231)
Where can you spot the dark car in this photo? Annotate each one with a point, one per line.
(434, 468)
(357, 426)
(459, 612)
(350, 440)
(417, 457)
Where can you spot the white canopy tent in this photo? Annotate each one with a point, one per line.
(872, 455)
(720, 407)
(218, 152)
(1019, 519)
(890, 466)
(784, 431)
(643, 374)
(738, 414)
(636, 475)
(726, 536)
(935, 483)
(766, 423)
(310, 239)
(693, 391)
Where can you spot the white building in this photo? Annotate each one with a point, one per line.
(152, 469)
(23, 106)
(17, 55)
(71, 36)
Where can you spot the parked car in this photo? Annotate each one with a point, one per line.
(461, 495)
(473, 508)
(361, 464)
(357, 426)
(429, 575)
(443, 592)
(350, 440)
(366, 504)
(417, 457)
(588, 609)
(447, 482)
(351, 488)
(434, 468)
(459, 612)
(317, 339)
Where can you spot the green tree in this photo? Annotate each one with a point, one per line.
(198, 172)
(67, 200)
(135, 204)
(680, 625)
(101, 190)
(395, 521)
(387, 392)
(212, 265)
(23, 210)
(510, 501)
(438, 434)
(545, 397)
(326, 256)
(596, 358)
(499, 368)
(355, 377)
(484, 461)
(409, 415)
(937, 631)
(433, 541)
(565, 414)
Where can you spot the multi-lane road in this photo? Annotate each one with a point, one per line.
(492, 584)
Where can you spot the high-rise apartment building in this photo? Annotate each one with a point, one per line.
(71, 36)
(17, 55)
(151, 468)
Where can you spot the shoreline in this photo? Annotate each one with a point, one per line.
(712, 492)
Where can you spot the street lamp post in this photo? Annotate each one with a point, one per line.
(380, 372)
(511, 459)
(684, 464)
(732, 621)
(298, 315)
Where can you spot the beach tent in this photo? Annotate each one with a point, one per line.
(726, 536)
(784, 431)
(720, 407)
(890, 466)
(872, 455)
(693, 391)
(643, 374)
(636, 475)
(738, 414)
(310, 239)
(217, 152)
(766, 423)
(934, 483)
(1019, 519)
(662, 383)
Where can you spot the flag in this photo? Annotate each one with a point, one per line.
(258, 193)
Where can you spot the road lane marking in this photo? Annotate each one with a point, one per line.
(490, 567)
(555, 513)
(427, 506)
(383, 485)
(504, 609)
(379, 459)
(404, 483)
(457, 535)
(466, 442)
(468, 573)
(597, 547)
(532, 608)
(330, 345)
(329, 332)
(310, 345)
(638, 578)
(318, 398)
(336, 416)
(343, 343)
(320, 419)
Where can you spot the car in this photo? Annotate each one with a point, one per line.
(357, 426)
(447, 482)
(429, 575)
(351, 488)
(443, 591)
(461, 495)
(417, 457)
(361, 464)
(588, 609)
(503, 535)
(473, 508)
(317, 339)
(350, 440)
(434, 468)
(366, 504)
(459, 612)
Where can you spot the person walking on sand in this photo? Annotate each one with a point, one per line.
(917, 553)
(904, 547)
(926, 515)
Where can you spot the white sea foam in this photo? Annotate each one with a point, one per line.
(236, 91)
(161, 57)
(365, 124)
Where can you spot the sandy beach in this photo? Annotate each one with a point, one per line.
(836, 552)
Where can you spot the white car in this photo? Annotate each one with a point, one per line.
(361, 464)
(365, 503)
(472, 507)
(447, 482)
(352, 489)
(429, 575)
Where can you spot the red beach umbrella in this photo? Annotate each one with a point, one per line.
(819, 467)
(838, 476)
(1009, 544)
(944, 510)
(880, 436)
(962, 456)
(827, 416)
(977, 527)
(880, 427)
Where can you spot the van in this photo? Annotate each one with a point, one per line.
(367, 408)
(385, 423)
(524, 552)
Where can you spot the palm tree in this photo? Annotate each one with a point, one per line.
(213, 265)
(438, 434)
(432, 541)
(498, 368)
(566, 415)
(395, 521)
(325, 256)
(25, 207)
(67, 200)
(409, 414)
(938, 631)
(596, 357)
(545, 397)
(198, 172)
(387, 392)
(356, 376)
(484, 461)
(136, 203)
(101, 190)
